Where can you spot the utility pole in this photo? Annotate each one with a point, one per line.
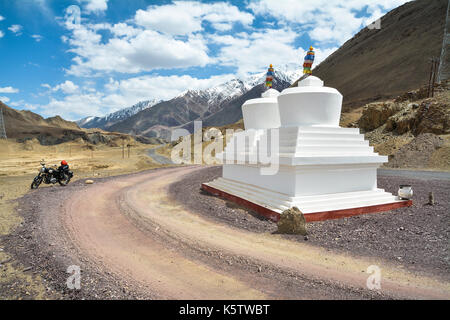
(436, 67)
(433, 76)
(2, 126)
(429, 79)
(123, 148)
(444, 66)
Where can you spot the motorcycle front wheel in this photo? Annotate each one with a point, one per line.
(64, 181)
(36, 182)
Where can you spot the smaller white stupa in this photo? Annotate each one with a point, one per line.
(324, 170)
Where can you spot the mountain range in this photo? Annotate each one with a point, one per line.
(215, 106)
(110, 119)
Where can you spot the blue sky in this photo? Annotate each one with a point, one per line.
(78, 58)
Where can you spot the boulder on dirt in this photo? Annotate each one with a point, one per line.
(292, 221)
(89, 182)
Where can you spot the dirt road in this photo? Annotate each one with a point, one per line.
(157, 157)
(129, 230)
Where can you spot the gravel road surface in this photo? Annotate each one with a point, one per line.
(132, 238)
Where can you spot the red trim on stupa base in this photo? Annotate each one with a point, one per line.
(310, 217)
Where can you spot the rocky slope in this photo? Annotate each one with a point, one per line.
(412, 130)
(378, 64)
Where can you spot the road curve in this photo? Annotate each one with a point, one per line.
(132, 228)
(157, 157)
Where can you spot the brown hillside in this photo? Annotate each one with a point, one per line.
(24, 124)
(381, 64)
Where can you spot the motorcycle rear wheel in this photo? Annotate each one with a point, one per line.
(64, 182)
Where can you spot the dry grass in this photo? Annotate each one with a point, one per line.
(23, 158)
(19, 163)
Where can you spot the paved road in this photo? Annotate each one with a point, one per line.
(424, 175)
(157, 157)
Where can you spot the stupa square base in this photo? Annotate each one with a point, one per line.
(315, 208)
(306, 180)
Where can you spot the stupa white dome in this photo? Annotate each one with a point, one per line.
(262, 113)
(310, 104)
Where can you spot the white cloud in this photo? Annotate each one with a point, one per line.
(2, 18)
(136, 51)
(37, 37)
(67, 87)
(253, 52)
(73, 107)
(163, 37)
(16, 28)
(95, 6)
(185, 17)
(161, 87)
(4, 99)
(327, 21)
(9, 90)
(2, 34)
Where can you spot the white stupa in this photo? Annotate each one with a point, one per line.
(324, 170)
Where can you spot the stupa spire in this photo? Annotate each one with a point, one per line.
(269, 77)
(309, 60)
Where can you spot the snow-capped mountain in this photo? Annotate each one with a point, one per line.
(231, 89)
(287, 73)
(215, 96)
(217, 105)
(112, 118)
